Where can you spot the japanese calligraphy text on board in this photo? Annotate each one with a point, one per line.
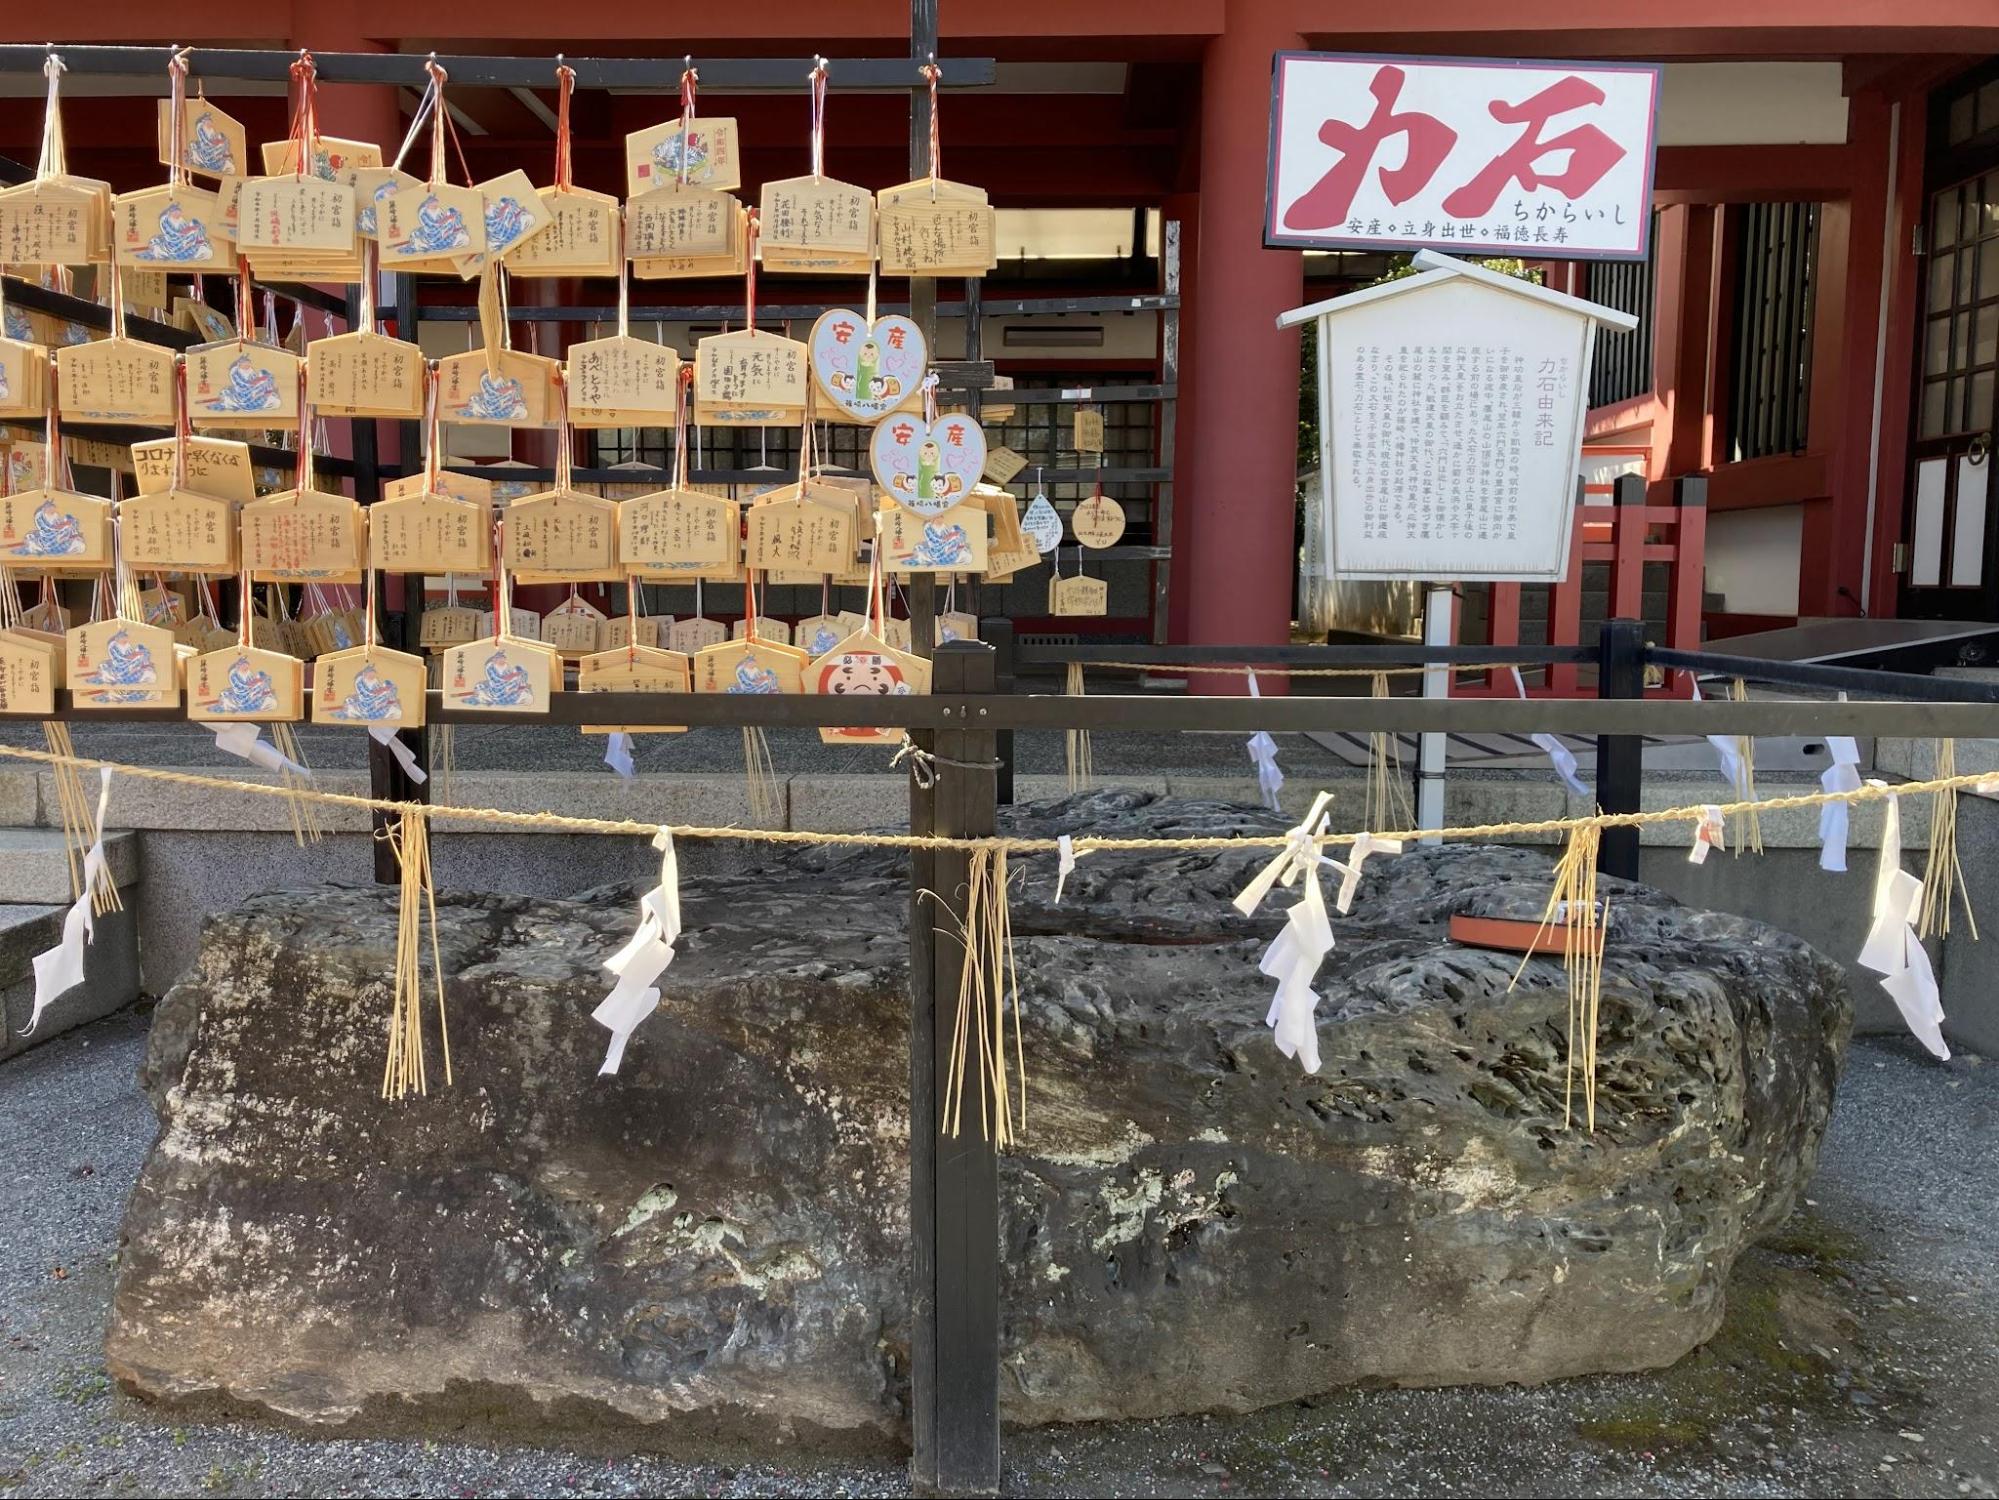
(1450, 423)
(1548, 161)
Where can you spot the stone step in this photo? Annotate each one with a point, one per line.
(110, 971)
(34, 871)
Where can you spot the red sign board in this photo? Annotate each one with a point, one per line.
(1544, 160)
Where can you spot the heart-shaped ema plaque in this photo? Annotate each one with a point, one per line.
(928, 469)
(1041, 523)
(865, 369)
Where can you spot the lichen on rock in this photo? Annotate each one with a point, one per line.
(715, 1242)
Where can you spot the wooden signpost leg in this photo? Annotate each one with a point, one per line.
(953, 1182)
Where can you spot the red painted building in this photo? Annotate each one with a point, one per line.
(1821, 310)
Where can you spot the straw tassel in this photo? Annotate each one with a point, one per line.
(404, 1073)
(1077, 741)
(1387, 786)
(1572, 903)
(1943, 874)
(444, 760)
(79, 822)
(760, 779)
(988, 988)
(305, 812)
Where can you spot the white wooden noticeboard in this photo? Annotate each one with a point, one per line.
(1451, 408)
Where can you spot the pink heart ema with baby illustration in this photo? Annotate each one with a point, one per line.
(928, 468)
(868, 369)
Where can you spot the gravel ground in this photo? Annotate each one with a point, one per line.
(1860, 1353)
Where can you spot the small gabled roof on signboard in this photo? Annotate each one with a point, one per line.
(1436, 267)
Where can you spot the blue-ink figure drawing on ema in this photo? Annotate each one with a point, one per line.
(500, 398)
(126, 671)
(505, 685)
(754, 678)
(824, 639)
(248, 691)
(208, 148)
(373, 698)
(248, 389)
(181, 238)
(942, 546)
(668, 154)
(56, 533)
(438, 231)
(506, 222)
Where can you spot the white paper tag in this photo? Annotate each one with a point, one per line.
(386, 737)
(618, 754)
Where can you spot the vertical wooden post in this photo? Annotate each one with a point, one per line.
(1620, 673)
(953, 1183)
(997, 631)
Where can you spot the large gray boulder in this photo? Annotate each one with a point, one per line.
(715, 1242)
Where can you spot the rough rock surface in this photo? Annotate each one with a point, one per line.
(714, 1243)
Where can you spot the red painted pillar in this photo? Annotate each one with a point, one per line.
(1185, 210)
(1235, 546)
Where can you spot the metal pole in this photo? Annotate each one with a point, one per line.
(921, 589)
(953, 1182)
(1619, 757)
(1436, 684)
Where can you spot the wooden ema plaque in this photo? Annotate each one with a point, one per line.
(368, 686)
(622, 381)
(214, 143)
(561, 536)
(953, 541)
(304, 536)
(215, 466)
(45, 530)
(514, 216)
(178, 531)
(675, 222)
(374, 186)
(508, 675)
(522, 624)
(619, 630)
(430, 533)
(768, 630)
(296, 214)
(581, 238)
(55, 221)
(635, 669)
(242, 384)
(246, 684)
(674, 531)
(1077, 595)
(749, 667)
(365, 375)
(799, 533)
(333, 157)
(816, 226)
(695, 634)
(95, 453)
(1097, 522)
(750, 378)
(509, 389)
(122, 664)
(956, 625)
(24, 378)
(167, 226)
(573, 627)
(28, 671)
(703, 155)
(116, 380)
(865, 665)
(931, 227)
(447, 625)
(429, 229)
